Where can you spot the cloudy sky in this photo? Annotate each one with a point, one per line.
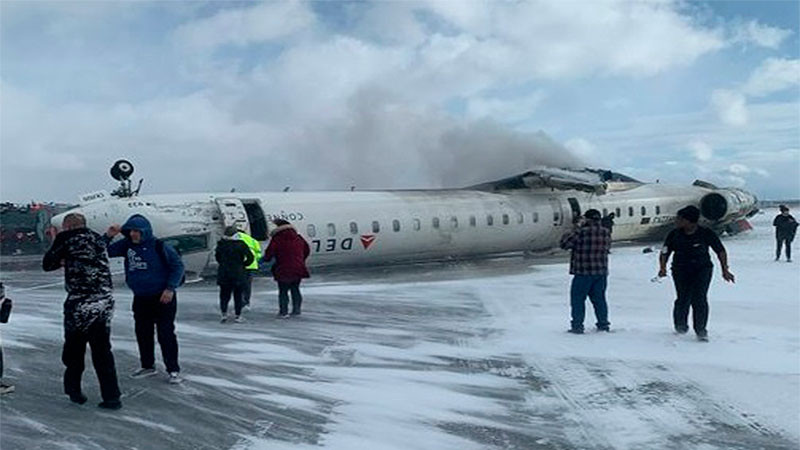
(325, 95)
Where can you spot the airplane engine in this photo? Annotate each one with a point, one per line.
(727, 205)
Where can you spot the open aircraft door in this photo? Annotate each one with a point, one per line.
(233, 213)
(558, 215)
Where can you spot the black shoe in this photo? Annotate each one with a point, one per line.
(78, 398)
(702, 336)
(295, 313)
(575, 330)
(110, 404)
(681, 330)
(606, 329)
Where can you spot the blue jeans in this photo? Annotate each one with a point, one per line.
(595, 287)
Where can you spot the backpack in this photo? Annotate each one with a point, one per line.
(162, 253)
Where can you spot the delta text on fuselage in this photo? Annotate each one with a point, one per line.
(523, 213)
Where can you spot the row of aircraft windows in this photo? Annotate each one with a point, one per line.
(416, 224)
(642, 210)
(436, 223)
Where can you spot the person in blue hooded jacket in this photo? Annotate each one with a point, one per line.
(153, 271)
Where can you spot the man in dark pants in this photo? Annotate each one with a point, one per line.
(5, 388)
(785, 229)
(153, 270)
(692, 269)
(87, 309)
(233, 256)
(590, 243)
(290, 251)
(608, 222)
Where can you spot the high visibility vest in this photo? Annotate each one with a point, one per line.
(254, 246)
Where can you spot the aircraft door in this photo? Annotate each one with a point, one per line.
(575, 207)
(558, 217)
(233, 213)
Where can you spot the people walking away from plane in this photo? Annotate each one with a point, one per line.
(233, 257)
(87, 310)
(608, 222)
(785, 229)
(252, 268)
(290, 251)
(153, 271)
(5, 310)
(589, 242)
(692, 269)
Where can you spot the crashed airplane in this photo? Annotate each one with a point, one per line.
(524, 213)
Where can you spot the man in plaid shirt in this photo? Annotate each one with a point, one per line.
(590, 243)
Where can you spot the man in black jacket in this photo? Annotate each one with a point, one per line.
(87, 309)
(785, 229)
(692, 269)
(233, 256)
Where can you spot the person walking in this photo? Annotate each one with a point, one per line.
(589, 242)
(692, 269)
(785, 229)
(608, 222)
(290, 251)
(5, 310)
(233, 256)
(252, 269)
(87, 310)
(153, 271)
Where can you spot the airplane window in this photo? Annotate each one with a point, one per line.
(489, 220)
(472, 221)
(188, 243)
(417, 224)
(435, 222)
(605, 212)
(505, 219)
(630, 211)
(535, 217)
(353, 228)
(618, 213)
(331, 229)
(658, 210)
(454, 222)
(396, 225)
(555, 216)
(644, 211)
(311, 230)
(376, 227)
(520, 218)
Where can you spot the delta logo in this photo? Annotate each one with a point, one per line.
(367, 240)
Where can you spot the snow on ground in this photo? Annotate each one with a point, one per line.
(448, 356)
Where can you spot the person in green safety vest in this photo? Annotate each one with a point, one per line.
(252, 269)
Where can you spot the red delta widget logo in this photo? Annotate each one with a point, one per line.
(367, 240)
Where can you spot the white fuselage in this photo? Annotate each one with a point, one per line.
(379, 227)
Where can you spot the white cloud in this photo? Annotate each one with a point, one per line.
(759, 34)
(242, 26)
(701, 151)
(730, 106)
(773, 75)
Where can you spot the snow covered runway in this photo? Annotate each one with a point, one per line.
(458, 356)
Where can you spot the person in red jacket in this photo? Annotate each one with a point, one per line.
(290, 251)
